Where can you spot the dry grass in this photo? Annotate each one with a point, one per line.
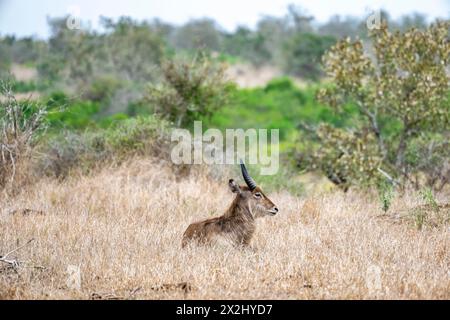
(122, 228)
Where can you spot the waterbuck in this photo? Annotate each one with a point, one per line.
(238, 222)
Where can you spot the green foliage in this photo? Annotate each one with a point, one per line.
(21, 126)
(85, 61)
(247, 45)
(385, 194)
(303, 52)
(28, 86)
(135, 135)
(130, 50)
(77, 114)
(430, 214)
(191, 90)
(198, 34)
(280, 84)
(346, 157)
(86, 150)
(138, 107)
(420, 217)
(21, 86)
(112, 120)
(428, 197)
(278, 105)
(56, 99)
(407, 84)
(102, 89)
(341, 27)
(5, 59)
(26, 51)
(428, 155)
(49, 68)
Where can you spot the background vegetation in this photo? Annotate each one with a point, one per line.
(359, 107)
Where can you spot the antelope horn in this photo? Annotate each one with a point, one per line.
(248, 180)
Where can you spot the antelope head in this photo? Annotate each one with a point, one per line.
(252, 197)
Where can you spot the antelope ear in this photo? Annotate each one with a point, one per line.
(234, 187)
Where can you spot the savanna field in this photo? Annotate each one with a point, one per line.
(93, 204)
(117, 235)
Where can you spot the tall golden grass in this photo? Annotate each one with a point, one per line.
(117, 234)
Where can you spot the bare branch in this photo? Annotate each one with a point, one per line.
(13, 262)
(387, 176)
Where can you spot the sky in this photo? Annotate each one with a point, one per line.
(29, 17)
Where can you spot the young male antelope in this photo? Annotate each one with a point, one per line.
(238, 222)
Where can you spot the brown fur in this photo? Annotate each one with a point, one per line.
(238, 222)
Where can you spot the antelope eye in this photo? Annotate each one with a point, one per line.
(258, 195)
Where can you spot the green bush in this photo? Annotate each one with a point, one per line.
(68, 150)
(73, 115)
(191, 90)
(278, 105)
(280, 84)
(385, 194)
(136, 135)
(112, 120)
(102, 89)
(22, 86)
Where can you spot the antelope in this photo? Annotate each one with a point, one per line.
(238, 222)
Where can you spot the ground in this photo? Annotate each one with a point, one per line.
(117, 234)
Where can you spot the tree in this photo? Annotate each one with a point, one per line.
(132, 49)
(198, 34)
(5, 55)
(402, 96)
(247, 44)
(415, 20)
(303, 52)
(298, 19)
(340, 27)
(128, 50)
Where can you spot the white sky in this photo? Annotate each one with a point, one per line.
(28, 17)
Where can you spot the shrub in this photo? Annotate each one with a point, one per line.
(191, 90)
(21, 124)
(431, 213)
(23, 86)
(279, 84)
(428, 197)
(386, 194)
(102, 89)
(74, 114)
(85, 151)
(428, 157)
(346, 156)
(141, 136)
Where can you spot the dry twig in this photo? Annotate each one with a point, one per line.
(14, 263)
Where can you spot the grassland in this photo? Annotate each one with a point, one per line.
(117, 233)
